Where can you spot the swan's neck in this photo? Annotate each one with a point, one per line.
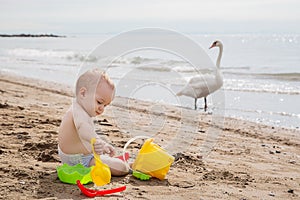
(219, 56)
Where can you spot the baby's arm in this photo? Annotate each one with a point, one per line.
(86, 133)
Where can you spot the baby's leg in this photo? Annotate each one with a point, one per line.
(117, 166)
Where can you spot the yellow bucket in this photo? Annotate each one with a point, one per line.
(153, 160)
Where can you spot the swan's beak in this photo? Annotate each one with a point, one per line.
(213, 45)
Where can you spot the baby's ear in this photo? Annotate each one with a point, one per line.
(82, 92)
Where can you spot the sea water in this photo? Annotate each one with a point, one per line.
(261, 72)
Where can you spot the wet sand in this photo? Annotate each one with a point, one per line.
(245, 160)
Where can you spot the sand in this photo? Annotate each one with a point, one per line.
(234, 159)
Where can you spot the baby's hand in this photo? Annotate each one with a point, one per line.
(102, 147)
(109, 150)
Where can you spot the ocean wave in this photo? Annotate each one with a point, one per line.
(283, 76)
(285, 114)
(185, 69)
(82, 58)
(237, 68)
(157, 68)
(248, 85)
(137, 60)
(279, 76)
(25, 52)
(175, 62)
(140, 60)
(282, 119)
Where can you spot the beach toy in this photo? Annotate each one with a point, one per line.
(151, 160)
(125, 157)
(93, 193)
(70, 174)
(140, 175)
(100, 174)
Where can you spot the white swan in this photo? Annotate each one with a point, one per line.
(202, 86)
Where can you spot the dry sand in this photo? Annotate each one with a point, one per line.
(247, 161)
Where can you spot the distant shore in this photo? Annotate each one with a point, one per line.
(30, 35)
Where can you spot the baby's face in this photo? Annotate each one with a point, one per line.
(94, 103)
(103, 97)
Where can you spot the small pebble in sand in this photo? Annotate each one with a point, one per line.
(291, 191)
(271, 194)
(292, 161)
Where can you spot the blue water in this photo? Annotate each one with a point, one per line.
(261, 72)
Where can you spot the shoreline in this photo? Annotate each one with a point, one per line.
(247, 160)
(68, 90)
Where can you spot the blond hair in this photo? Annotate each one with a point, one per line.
(91, 78)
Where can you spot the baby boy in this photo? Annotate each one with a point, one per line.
(94, 91)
